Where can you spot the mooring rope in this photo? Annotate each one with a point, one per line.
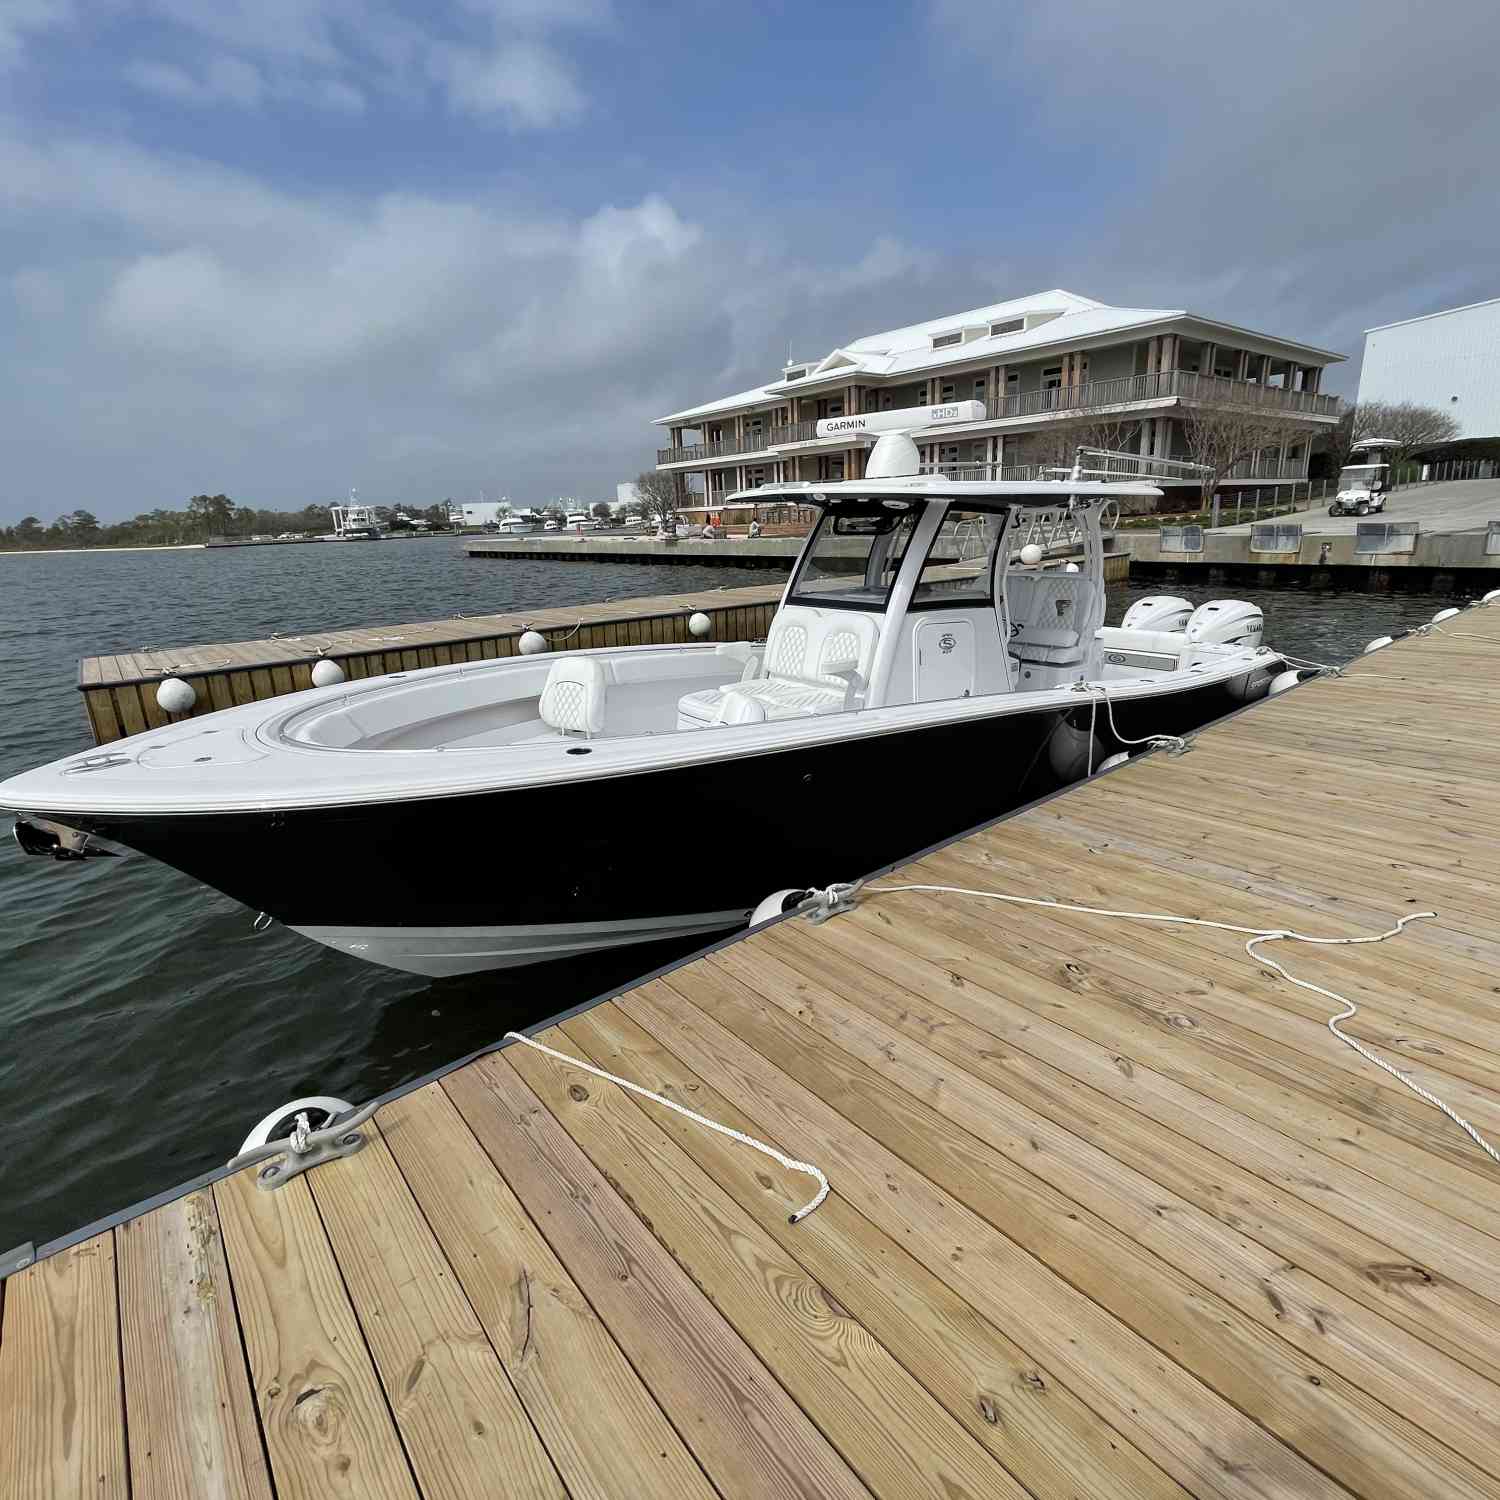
(1173, 744)
(841, 895)
(735, 1135)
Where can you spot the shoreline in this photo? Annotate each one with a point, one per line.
(61, 551)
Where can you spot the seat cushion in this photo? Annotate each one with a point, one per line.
(573, 696)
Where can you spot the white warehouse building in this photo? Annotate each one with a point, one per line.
(1450, 360)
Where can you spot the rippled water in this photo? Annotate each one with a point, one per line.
(143, 1027)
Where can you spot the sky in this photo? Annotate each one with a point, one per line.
(278, 248)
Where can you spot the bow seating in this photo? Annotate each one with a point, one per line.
(813, 664)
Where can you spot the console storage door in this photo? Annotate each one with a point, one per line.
(942, 659)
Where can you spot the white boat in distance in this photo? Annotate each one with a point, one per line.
(930, 666)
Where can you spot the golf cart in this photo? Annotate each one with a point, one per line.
(1365, 482)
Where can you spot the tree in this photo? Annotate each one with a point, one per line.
(655, 499)
(1414, 427)
(1220, 437)
(602, 512)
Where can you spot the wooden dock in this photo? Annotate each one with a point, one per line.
(119, 691)
(1112, 1213)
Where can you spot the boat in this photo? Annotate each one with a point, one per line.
(517, 525)
(581, 520)
(353, 523)
(939, 657)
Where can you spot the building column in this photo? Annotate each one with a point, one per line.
(1169, 352)
(1312, 379)
(1151, 356)
(1242, 365)
(1265, 369)
(1144, 445)
(1209, 359)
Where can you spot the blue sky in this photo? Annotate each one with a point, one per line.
(279, 248)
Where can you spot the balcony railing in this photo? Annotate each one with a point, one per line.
(1092, 395)
(1184, 385)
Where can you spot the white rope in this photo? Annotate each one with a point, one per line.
(1303, 661)
(837, 893)
(734, 1135)
(1173, 744)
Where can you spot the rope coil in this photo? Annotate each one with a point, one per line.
(735, 1135)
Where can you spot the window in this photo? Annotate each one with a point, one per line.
(947, 391)
(947, 340)
(794, 374)
(1052, 378)
(981, 386)
(1011, 325)
(959, 566)
(854, 556)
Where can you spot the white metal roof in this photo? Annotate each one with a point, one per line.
(903, 351)
(1446, 312)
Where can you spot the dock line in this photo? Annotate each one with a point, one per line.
(821, 904)
(734, 1135)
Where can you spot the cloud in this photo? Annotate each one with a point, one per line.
(1313, 168)
(526, 83)
(195, 321)
(224, 80)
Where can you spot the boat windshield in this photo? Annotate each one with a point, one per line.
(959, 566)
(855, 554)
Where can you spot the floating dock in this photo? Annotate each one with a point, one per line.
(119, 690)
(1112, 1213)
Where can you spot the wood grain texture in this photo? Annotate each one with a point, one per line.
(193, 1429)
(751, 1438)
(886, 1425)
(328, 1430)
(62, 1429)
(460, 1419)
(606, 1434)
(1022, 1413)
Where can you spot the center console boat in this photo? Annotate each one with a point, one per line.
(939, 657)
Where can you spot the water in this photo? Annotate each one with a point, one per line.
(143, 1026)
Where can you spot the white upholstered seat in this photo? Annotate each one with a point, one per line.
(574, 695)
(814, 663)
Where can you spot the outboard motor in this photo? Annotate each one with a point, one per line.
(1226, 622)
(1159, 612)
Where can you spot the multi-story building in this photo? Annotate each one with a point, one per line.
(1054, 370)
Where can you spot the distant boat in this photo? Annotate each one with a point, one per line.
(353, 523)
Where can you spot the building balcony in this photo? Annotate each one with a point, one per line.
(1125, 392)
(1166, 385)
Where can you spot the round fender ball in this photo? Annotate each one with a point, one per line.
(174, 696)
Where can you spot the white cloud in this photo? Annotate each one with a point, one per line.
(223, 80)
(1309, 168)
(526, 83)
(197, 321)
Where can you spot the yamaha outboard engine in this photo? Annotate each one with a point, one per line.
(1226, 622)
(1159, 612)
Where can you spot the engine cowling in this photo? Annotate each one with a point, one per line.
(1226, 622)
(1159, 612)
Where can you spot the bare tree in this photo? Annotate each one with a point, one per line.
(1219, 438)
(1414, 427)
(655, 498)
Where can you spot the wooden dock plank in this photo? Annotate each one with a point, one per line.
(888, 1428)
(460, 1419)
(1023, 1191)
(1033, 1424)
(1223, 1259)
(327, 1428)
(1367, 1132)
(606, 1435)
(62, 1427)
(1199, 1438)
(1149, 1120)
(751, 1438)
(191, 1420)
